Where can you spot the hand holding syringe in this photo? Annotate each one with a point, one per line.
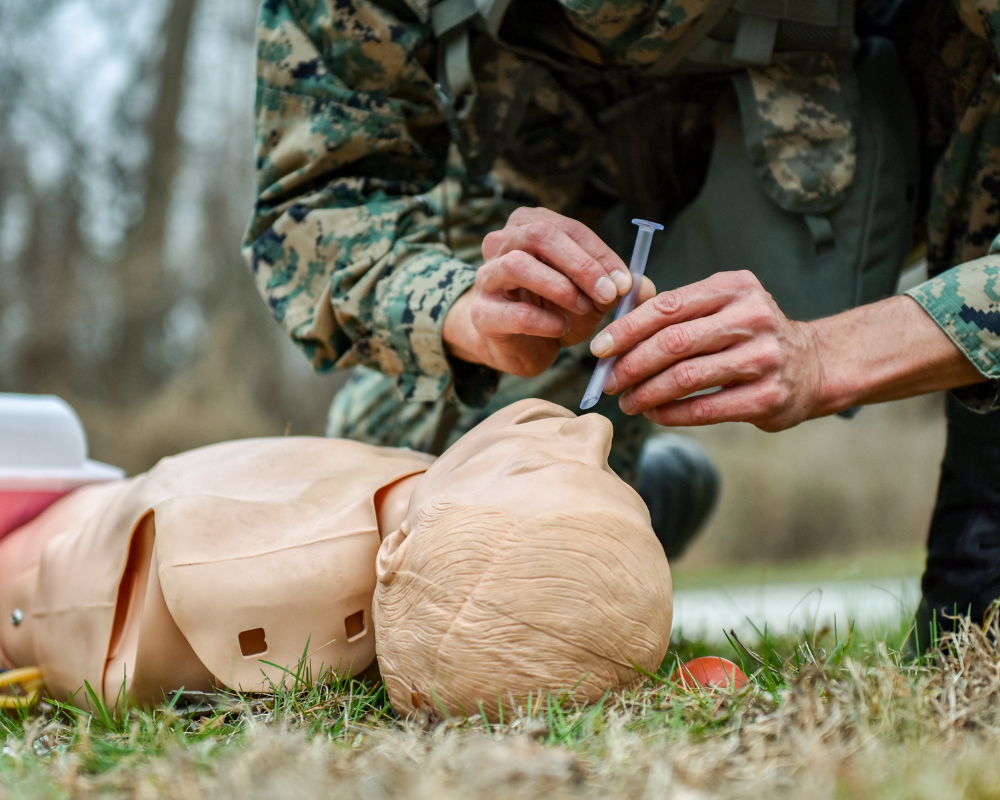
(637, 267)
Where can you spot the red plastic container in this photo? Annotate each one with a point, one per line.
(43, 456)
(16, 508)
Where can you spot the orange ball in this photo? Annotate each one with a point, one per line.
(710, 672)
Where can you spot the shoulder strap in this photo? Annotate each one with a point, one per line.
(690, 40)
(755, 29)
(450, 20)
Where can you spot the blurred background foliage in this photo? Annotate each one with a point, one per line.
(126, 179)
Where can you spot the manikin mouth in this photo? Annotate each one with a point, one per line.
(543, 411)
(535, 463)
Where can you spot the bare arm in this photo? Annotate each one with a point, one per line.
(727, 331)
(886, 351)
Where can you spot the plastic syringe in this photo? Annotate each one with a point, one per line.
(638, 266)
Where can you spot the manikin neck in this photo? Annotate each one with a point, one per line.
(393, 502)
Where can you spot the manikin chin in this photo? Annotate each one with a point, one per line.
(516, 563)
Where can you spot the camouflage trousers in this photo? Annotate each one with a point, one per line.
(368, 409)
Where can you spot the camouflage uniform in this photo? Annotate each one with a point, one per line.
(367, 228)
(961, 98)
(360, 242)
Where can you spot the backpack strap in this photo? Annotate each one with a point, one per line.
(450, 21)
(687, 44)
(755, 38)
(756, 29)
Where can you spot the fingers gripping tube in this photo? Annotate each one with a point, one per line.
(640, 253)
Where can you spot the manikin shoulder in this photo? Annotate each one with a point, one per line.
(274, 469)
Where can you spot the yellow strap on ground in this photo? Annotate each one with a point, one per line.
(29, 680)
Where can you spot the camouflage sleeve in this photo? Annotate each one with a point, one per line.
(965, 303)
(348, 136)
(982, 17)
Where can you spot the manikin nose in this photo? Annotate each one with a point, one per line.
(593, 433)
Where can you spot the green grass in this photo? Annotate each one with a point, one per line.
(856, 685)
(839, 706)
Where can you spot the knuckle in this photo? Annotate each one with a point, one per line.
(515, 262)
(702, 409)
(588, 264)
(627, 369)
(668, 302)
(676, 339)
(626, 327)
(772, 397)
(759, 316)
(687, 375)
(746, 279)
(538, 231)
(520, 215)
(770, 354)
(523, 320)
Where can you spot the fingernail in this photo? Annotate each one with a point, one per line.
(625, 403)
(622, 280)
(602, 343)
(611, 384)
(568, 326)
(605, 289)
(583, 304)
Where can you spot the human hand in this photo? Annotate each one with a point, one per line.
(723, 331)
(547, 282)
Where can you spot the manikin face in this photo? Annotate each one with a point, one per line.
(528, 459)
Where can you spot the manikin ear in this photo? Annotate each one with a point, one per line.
(391, 552)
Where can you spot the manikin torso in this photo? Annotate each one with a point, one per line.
(205, 568)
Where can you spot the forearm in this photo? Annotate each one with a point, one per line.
(346, 256)
(884, 351)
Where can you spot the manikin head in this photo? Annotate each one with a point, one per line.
(524, 565)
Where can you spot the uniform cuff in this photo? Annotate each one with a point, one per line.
(965, 303)
(409, 324)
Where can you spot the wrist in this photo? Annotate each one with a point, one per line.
(836, 382)
(461, 339)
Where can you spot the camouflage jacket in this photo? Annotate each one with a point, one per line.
(357, 243)
(961, 96)
(358, 240)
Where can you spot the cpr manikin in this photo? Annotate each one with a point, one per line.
(517, 562)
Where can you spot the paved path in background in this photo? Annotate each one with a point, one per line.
(792, 607)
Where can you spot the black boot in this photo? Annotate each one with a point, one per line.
(679, 484)
(963, 549)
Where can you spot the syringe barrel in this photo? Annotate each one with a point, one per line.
(640, 253)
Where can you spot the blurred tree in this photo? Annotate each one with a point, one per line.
(125, 183)
(143, 279)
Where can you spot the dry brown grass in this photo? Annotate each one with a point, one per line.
(831, 719)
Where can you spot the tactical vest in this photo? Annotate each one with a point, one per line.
(812, 178)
